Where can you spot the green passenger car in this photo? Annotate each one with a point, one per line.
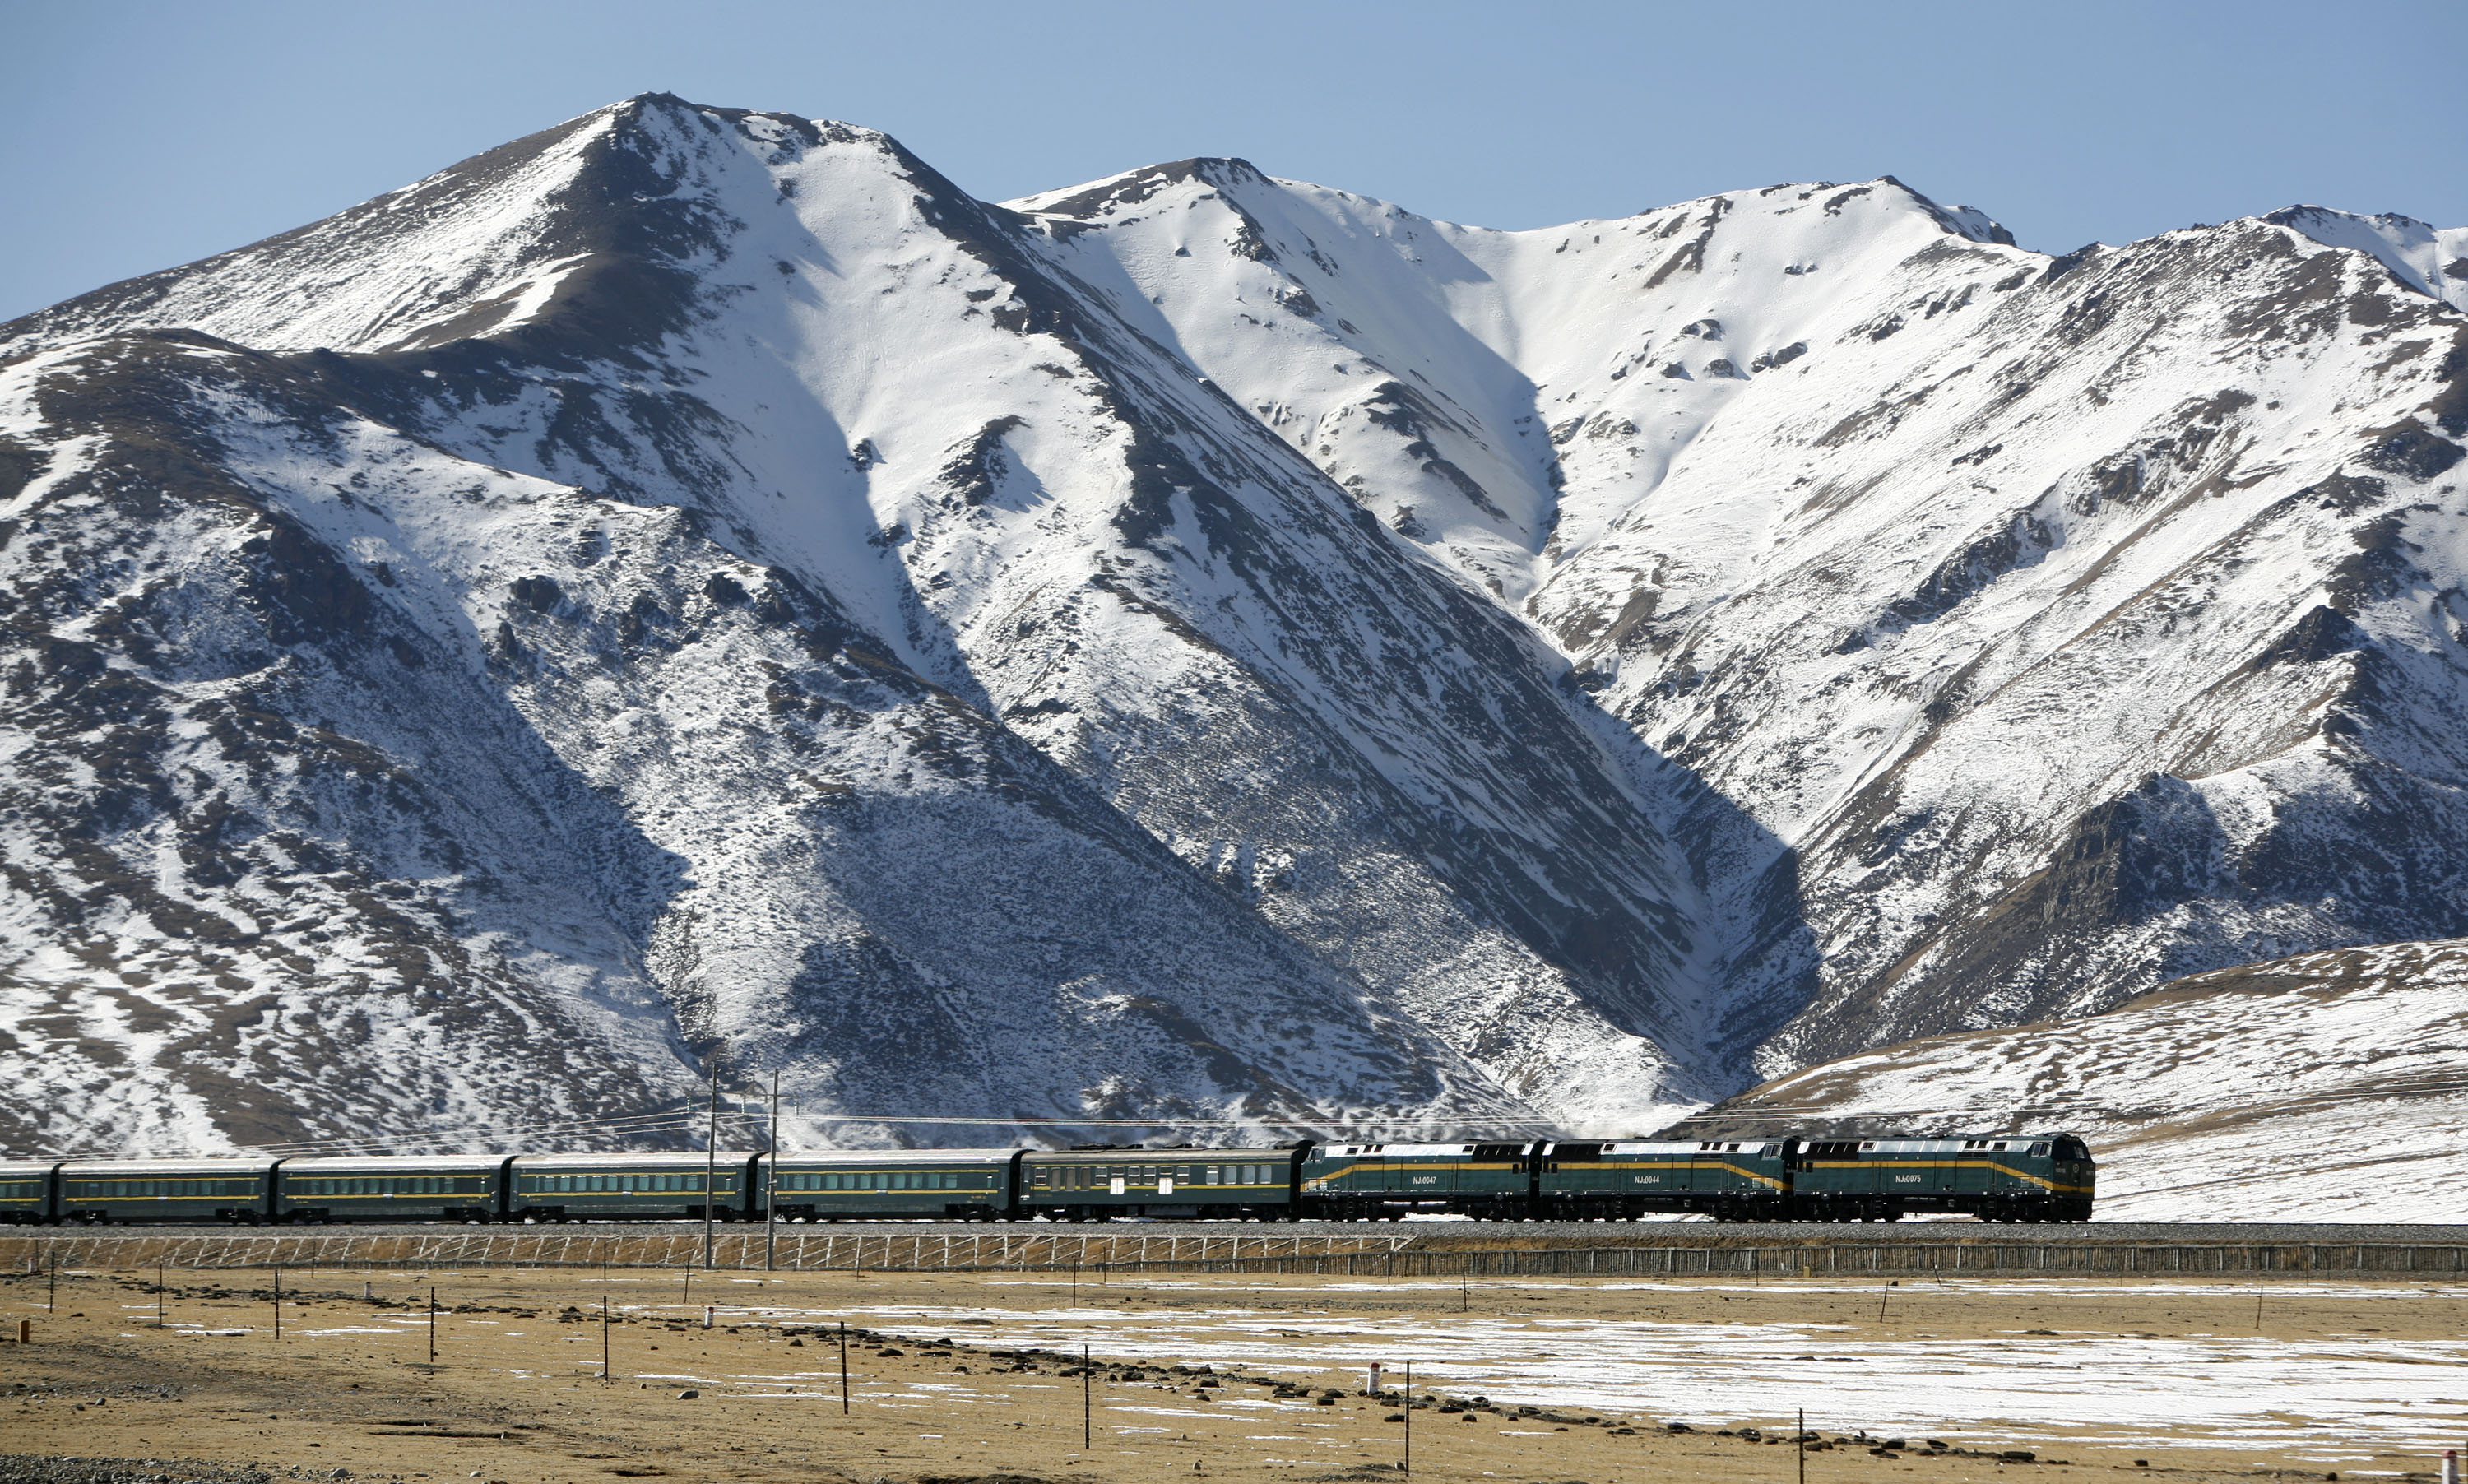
(1103, 1184)
(927, 1184)
(26, 1191)
(414, 1188)
(167, 1190)
(1996, 1177)
(1735, 1179)
(1352, 1183)
(628, 1187)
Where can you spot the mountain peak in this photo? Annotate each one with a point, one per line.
(1113, 194)
(2432, 261)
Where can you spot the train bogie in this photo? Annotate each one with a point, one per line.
(911, 1185)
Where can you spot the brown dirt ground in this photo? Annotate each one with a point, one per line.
(515, 1396)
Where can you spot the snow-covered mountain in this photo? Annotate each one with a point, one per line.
(695, 583)
(2028, 630)
(2323, 1088)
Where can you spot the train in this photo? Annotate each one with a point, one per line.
(1995, 1178)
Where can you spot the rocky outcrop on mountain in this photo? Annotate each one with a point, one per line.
(695, 587)
(2323, 1088)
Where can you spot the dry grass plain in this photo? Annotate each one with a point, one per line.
(516, 1396)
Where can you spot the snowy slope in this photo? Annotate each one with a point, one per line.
(2038, 628)
(2324, 1087)
(1192, 645)
(2430, 260)
(1336, 798)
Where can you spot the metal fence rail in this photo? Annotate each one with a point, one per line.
(799, 1250)
(1398, 1255)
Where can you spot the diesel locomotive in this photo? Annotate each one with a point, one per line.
(1996, 1177)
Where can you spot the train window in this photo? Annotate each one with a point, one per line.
(1868, 1144)
(2001, 1144)
(2039, 1149)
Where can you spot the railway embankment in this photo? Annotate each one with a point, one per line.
(1433, 1250)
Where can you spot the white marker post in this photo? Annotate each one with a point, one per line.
(1375, 1388)
(2451, 1466)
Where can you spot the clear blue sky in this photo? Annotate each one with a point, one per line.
(135, 135)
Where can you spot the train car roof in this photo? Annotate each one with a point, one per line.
(1686, 1146)
(1419, 1151)
(381, 1163)
(21, 1168)
(1144, 1156)
(899, 1156)
(1944, 1144)
(117, 1169)
(667, 1161)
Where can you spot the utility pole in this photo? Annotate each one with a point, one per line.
(606, 1374)
(1409, 1419)
(1800, 1441)
(771, 1183)
(432, 1326)
(158, 1295)
(278, 1304)
(711, 1165)
(1087, 1387)
(843, 1367)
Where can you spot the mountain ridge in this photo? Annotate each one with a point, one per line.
(1280, 556)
